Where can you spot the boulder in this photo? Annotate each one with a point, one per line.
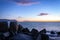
(58, 33)
(3, 26)
(42, 31)
(13, 26)
(20, 27)
(34, 33)
(13, 29)
(25, 31)
(44, 37)
(52, 32)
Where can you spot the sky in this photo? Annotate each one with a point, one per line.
(30, 10)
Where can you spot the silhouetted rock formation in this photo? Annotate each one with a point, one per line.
(2, 37)
(21, 32)
(52, 32)
(7, 29)
(3, 26)
(13, 26)
(58, 33)
(43, 31)
(20, 27)
(42, 35)
(25, 31)
(34, 33)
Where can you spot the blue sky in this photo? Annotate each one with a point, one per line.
(28, 9)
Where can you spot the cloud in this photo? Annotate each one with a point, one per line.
(42, 14)
(26, 2)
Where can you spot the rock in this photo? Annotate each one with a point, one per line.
(13, 27)
(21, 36)
(58, 33)
(34, 33)
(42, 31)
(44, 37)
(20, 27)
(1, 36)
(38, 37)
(25, 31)
(52, 32)
(3, 26)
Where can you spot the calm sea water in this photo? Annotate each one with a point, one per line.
(55, 26)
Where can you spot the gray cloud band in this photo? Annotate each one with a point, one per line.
(42, 14)
(26, 2)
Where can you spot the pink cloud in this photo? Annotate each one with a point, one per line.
(26, 2)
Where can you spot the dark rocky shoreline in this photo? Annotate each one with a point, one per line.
(17, 32)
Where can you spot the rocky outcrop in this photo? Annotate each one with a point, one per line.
(20, 28)
(25, 31)
(42, 35)
(3, 26)
(34, 33)
(52, 32)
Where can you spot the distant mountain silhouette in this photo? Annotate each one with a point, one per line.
(6, 20)
(3, 20)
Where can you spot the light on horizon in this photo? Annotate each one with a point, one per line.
(41, 18)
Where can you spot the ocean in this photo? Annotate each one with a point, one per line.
(49, 26)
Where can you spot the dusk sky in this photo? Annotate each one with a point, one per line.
(30, 10)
